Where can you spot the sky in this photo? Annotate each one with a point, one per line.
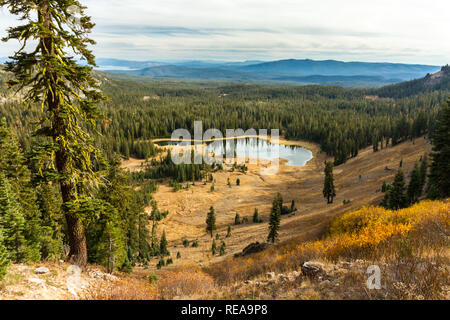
(409, 31)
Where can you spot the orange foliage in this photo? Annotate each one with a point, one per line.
(360, 234)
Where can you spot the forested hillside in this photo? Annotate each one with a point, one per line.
(341, 120)
(430, 83)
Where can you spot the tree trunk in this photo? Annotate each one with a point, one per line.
(75, 229)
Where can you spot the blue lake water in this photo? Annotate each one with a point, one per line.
(262, 149)
(256, 148)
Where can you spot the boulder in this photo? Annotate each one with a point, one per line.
(253, 248)
(312, 269)
(270, 275)
(41, 270)
(36, 281)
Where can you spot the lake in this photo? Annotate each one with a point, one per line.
(257, 149)
(262, 149)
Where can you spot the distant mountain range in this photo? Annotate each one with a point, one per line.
(330, 72)
(306, 71)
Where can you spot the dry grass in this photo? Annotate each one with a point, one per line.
(409, 245)
(411, 242)
(187, 281)
(122, 289)
(184, 282)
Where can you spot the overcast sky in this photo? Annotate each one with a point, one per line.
(408, 31)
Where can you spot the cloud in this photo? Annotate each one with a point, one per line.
(379, 30)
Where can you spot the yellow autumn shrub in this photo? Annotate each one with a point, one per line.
(367, 228)
(360, 234)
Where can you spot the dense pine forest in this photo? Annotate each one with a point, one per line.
(341, 120)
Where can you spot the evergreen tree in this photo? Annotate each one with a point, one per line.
(237, 219)
(52, 223)
(397, 197)
(111, 248)
(328, 189)
(384, 187)
(278, 202)
(122, 219)
(293, 208)
(222, 248)
(275, 219)
(413, 192)
(163, 245)
(154, 240)
(127, 266)
(211, 221)
(256, 216)
(213, 247)
(4, 257)
(229, 232)
(13, 223)
(385, 202)
(439, 176)
(423, 173)
(68, 95)
(144, 248)
(13, 168)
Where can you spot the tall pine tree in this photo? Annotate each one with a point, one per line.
(67, 93)
(439, 177)
(163, 251)
(397, 197)
(414, 190)
(275, 218)
(329, 191)
(211, 221)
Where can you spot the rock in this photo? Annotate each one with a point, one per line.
(312, 269)
(100, 275)
(36, 281)
(270, 275)
(253, 248)
(41, 270)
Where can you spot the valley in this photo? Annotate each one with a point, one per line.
(359, 180)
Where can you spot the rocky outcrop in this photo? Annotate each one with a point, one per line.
(253, 248)
(41, 270)
(312, 270)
